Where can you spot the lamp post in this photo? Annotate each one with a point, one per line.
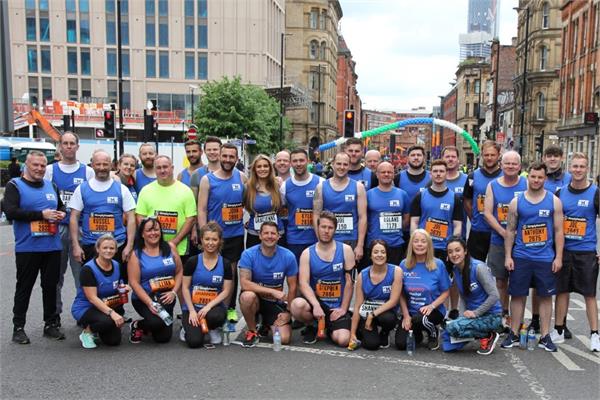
(192, 88)
(523, 87)
(496, 43)
(120, 79)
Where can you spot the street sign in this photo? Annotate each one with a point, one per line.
(192, 133)
(100, 134)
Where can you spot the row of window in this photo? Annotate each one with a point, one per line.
(317, 19)
(316, 51)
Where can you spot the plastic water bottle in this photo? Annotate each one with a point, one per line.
(523, 337)
(163, 314)
(410, 343)
(276, 340)
(226, 338)
(531, 339)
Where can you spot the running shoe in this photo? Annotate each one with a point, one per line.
(87, 340)
(595, 342)
(510, 340)
(535, 324)
(251, 339)
(433, 343)
(384, 340)
(453, 314)
(215, 336)
(52, 331)
(546, 344)
(136, 334)
(557, 337)
(19, 336)
(182, 334)
(309, 335)
(232, 315)
(487, 344)
(567, 333)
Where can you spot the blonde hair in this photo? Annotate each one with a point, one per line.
(411, 258)
(271, 186)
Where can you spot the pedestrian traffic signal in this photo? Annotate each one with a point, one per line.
(148, 128)
(349, 123)
(539, 144)
(109, 124)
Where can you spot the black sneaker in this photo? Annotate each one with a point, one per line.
(433, 343)
(297, 324)
(453, 314)
(310, 335)
(53, 331)
(567, 333)
(536, 326)
(384, 340)
(263, 331)
(510, 340)
(251, 339)
(19, 336)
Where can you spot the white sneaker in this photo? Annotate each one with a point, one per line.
(595, 342)
(215, 336)
(556, 337)
(182, 334)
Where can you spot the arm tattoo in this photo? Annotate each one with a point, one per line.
(318, 200)
(246, 273)
(511, 225)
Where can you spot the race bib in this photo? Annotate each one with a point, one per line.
(390, 221)
(65, 197)
(43, 228)
(368, 306)
(202, 295)
(329, 290)
(437, 228)
(574, 228)
(113, 301)
(168, 221)
(345, 222)
(162, 284)
(502, 211)
(102, 223)
(535, 235)
(260, 219)
(304, 218)
(269, 297)
(232, 214)
(480, 201)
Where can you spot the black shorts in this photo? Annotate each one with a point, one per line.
(578, 274)
(479, 244)
(343, 322)
(270, 310)
(232, 248)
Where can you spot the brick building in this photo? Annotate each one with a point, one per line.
(347, 96)
(448, 112)
(502, 68)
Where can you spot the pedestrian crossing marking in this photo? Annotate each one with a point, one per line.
(566, 361)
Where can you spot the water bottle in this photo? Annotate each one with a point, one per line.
(523, 337)
(163, 314)
(531, 339)
(123, 292)
(226, 338)
(410, 343)
(276, 340)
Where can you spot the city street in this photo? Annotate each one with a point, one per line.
(64, 370)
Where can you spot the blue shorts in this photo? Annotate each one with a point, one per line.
(530, 273)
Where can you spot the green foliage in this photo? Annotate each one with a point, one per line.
(231, 109)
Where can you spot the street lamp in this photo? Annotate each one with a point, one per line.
(192, 88)
(522, 121)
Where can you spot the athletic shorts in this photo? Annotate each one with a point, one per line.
(495, 260)
(479, 244)
(578, 274)
(343, 322)
(528, 272)
(270, 310)
(232, 248)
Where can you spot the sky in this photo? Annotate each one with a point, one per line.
(406, 51)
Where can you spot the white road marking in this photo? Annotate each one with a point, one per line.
(566, 361)
(534, 385)
(580, 353)
(586, 342)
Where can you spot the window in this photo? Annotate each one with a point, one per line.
(46, 60)
(163, 23)
(543, 58)
(72, 61)
(313, 112)
(86, 88)
(313, 18)
(202, 9)
(476, 110)
(323, 20)
(111, 91)
(596, 24)
(574, 32)
(585, 29)
(71, 21)
(33, 90)
(84, 21)
(313, 51)
(111, 62)
(150, 23)
(190, 66)
(541, 106)
(86, 65)
(189, 24)
(476, 86)
(163, 64)
(47, 89)
(125, 22)
(545, 15)
(30, 25)
(150, 64)
(44, 21)
(111, 22)
(73, 89)
(313, 80)
(467, 87)
(126, 100)
(164, 101)
(203, 36)
(125, 54)
(203, 66)
(178, 102)
(467, 110)
(323, 51)
(32, 64)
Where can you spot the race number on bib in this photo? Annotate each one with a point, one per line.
(162, 284)
(168, 221)
(390, 221)
(480, 202)
(437, 228)
(260, 219)
(202, 295)
(535, 235)
(502, 211)
(65, 197)
(574, 228)
(304, 218)
(232, 214)
(102, 223)
(368, 307)
(329, 290)
(43, 228)
(345, 222)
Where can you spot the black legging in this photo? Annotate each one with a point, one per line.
(161, 333)
(420, 323)
(382, 325)
(103, 325)
(194, 337)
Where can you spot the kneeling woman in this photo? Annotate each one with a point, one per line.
(155, 272)
(479, 295)
(378, 290)
(97, 306)
(426, 286)
(206, 284)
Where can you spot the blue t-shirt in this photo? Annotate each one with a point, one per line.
(422, 286)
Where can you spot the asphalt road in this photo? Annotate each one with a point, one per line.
(64, 370)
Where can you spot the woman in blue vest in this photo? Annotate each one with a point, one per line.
(482, 317)
(98, 307)
(206, 284)
(378, 290)
(261, 198)
(154, 271)
(425, 286)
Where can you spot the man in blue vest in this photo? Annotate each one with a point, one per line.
(355, 150)
(193, 152)
(145, 174)
(35, 207)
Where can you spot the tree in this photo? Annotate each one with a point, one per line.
(231, 109)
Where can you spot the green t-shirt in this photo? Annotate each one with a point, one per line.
(171, 205)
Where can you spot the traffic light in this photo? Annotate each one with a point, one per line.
(109, 124)
(539, 144)
(349, 123)
(66, 123)
(148, 128)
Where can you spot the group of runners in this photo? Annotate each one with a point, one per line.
(299, 248)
